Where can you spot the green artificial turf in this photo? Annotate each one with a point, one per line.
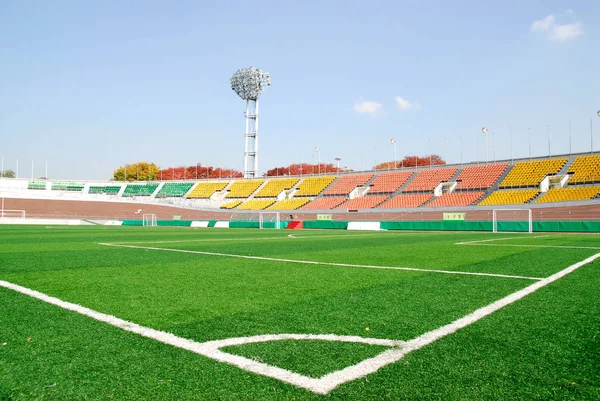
(544, 346)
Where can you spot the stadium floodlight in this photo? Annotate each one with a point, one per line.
(598, 113)
(393, 142)
(249, 83)
(318, 150)
(485, 131)
(337, 159)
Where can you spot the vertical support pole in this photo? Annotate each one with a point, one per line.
(255, 150)
(529, 144)
(569, 138)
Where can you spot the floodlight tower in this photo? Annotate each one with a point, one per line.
(249, 83)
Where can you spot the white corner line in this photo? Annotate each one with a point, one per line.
(326, 383)
(498, 239)
(311, 262)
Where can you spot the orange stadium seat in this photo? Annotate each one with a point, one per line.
(428, 179)
(363, 202)
(389, 182)
(346, 183)
(480, 176)
(324, 203)
(406, 201)
(456, 199)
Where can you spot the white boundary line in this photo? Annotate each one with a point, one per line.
(310, 262)
(498, 239)
(484, 243)
(326, 383)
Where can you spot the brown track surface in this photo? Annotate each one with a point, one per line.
(121, 211)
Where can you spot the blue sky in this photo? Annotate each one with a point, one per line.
(89, 86)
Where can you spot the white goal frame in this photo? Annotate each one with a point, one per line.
(495, 218)
(149, 220)
(12, 214)
(261, 219)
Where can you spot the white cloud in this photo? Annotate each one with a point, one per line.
(556, 31)
(404, 104)
(567, 31)
(543, 25)
(368, 107)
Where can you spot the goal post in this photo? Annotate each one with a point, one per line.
(149, 220)
(512, 220)
(12, 214)
(269, 220)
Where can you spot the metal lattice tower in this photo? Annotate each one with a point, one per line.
(249, 83)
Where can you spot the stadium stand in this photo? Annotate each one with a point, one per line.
(389, 182)
(256, 204)
(67, 186)
(406, 201)
(480, 176)
(105, 189)
(428, 179)
(510, 197)
(313, 186)
(346, 184)
(243, 188)
(204, 190)
(325, 203)
(456, 199)
(174, 189)
(36, 185)
(231, 205)
(275, 186)
(363, 202)
(531, 173)
(585, 169)
(140, 189)
(289, 204)
(569, 194)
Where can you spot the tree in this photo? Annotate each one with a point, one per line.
(140, 171)
(304, 169)
(198, 171)
(411, 161)
(8, 174)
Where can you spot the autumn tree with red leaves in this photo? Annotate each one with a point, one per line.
(303, 169)
(411, 161)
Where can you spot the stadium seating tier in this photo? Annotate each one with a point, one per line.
(289, 204)
(406, 201)
(174, 189)
(585, 169)
(243, 188)
(313, 186)
(140, 189)
(428, 179)
(204, 190)
(256, 204)
(480, 176)
(363, 202)
(456, 199)
(346, 184)
(531, 173)
(275, 186)
(325, 203)
(569, 194)
(510, 197)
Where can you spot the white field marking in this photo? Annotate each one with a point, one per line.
(311, 262)
(498, 239)
(328, 382)
(537, 246)
(245, 239)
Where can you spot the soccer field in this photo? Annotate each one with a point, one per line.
(210, 314)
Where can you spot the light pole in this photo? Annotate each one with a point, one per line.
(430, 153)
(393, 142)
(337, 159)
(485, 131)
(318, 150)
(529, 129)
(549, 151)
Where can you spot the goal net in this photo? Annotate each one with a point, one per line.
(149, 220)
(512, 220)
(269, 220)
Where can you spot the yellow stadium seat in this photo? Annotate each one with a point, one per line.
(275, 186)
(313, 186)
(256, 204)
(585, 169)
(231, 205)
(204, 190)
(531, 173)
(289, 204)
(510, 197)
(243, 188)
(569, 194)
